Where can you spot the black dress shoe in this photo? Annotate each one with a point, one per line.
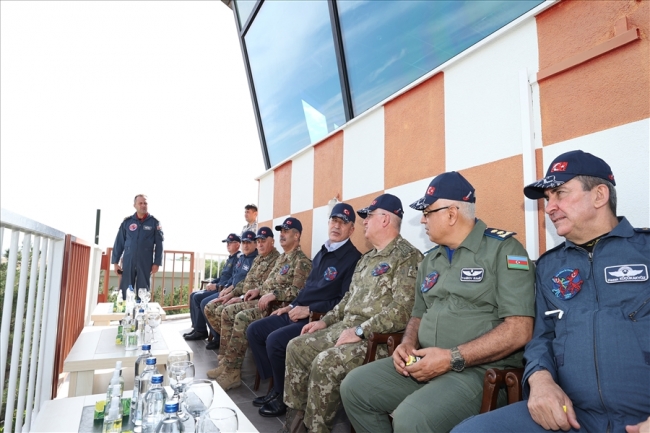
(188, 333)
(261, 401)
(213, 345)
(274, 408)
(197, 336)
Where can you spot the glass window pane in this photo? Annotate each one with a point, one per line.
(244, 9)
(291, 53)
(390, 44)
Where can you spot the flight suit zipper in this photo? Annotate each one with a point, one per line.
(600, 391)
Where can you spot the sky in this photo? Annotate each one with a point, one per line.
(103, 100)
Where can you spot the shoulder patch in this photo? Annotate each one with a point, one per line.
(502, 235)
(645, 230)
(430, 250)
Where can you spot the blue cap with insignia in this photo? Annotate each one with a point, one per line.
(567, 166)
(343, 211)
(232, 237)
(248, 236)
(264, 232)
(385, 201)
(290, 223)
(449, 186)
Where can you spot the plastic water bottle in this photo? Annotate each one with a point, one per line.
(113, 415)
(143, 386)
(140, 365)
(116, 380)
(153, 403)
(139, 319)
(130, 298)
(171, 423)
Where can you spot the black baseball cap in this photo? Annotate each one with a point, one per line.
(232, 237)
(450, 186)
(290, 223)
(567, 166)
(248, 236)
(343, 211)
(264, 232)
(385, 201)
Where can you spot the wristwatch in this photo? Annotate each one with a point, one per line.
(242, 297)
(359, 332)
(457, 360)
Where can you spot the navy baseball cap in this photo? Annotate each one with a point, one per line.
(450, 186)
(385, 201)
(248, 236)
(290, 223)
(567, 166)
(264, 232)
(343, 211)
(232, 237)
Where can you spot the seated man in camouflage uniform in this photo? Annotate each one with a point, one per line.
(380, 300)
(258, 273)
(287, 277)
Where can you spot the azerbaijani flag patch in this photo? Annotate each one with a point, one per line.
(518, 262)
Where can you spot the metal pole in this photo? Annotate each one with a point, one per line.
(99, 213)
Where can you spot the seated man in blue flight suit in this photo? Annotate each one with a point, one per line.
(328, 281)
(587, 365)
(199, 331)
(243, 265)
(139, 243)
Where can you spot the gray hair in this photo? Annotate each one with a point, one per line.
(467, 210)
(139, 195)
(589, 182)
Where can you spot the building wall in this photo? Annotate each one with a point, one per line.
(471, 116)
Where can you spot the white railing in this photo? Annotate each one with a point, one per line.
(200, 265)
(43, 246)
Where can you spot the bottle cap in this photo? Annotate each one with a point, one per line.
(142, 310)
(146, 347)
(171, 407)
(151, 361)
(157, 378)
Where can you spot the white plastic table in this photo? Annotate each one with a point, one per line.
(103, 314)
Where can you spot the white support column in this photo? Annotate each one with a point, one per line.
(528, 154)
(5, 329)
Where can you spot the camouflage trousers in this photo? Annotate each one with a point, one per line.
(212, 313)
(234, 323)
(314, 371)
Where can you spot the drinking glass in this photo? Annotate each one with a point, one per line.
(153, 320)
(198, 399)
(145, 296)
(220, 419)
(180, 374)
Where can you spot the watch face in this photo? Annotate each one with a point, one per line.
(359, 331)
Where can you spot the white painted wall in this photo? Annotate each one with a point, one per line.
(319, 228)
(302, 182)
(482, 99)
(265, 207)
(626, 149)
(363, 156)
(276, 234)
(412, 230)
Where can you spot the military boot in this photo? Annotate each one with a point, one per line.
(229, 379)
(297, 424)
(216, 372)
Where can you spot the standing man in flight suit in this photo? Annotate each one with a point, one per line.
(139, 243)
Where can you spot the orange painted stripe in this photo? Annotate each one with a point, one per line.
(415, 133)
(282, 190)
(328, 169)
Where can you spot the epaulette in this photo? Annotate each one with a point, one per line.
(499, 234)
(645, 230)
(428, 251)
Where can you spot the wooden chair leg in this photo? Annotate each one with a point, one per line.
(256, 386)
